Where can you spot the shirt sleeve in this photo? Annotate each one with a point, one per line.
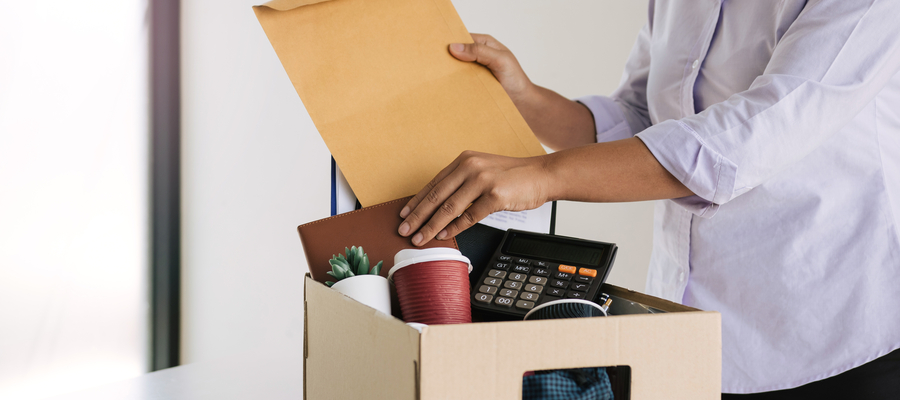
(832, 61)
(624, 114)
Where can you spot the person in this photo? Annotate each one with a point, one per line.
(770, 130)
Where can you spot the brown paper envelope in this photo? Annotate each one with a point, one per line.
(393, 106)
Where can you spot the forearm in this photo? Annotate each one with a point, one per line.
(558, 122)
(623, 170)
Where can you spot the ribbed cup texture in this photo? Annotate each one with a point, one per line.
(434, 292)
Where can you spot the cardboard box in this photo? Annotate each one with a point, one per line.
(354, 352)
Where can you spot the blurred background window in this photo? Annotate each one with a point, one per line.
(74, 178)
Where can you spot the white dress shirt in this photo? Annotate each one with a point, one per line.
(784, 118)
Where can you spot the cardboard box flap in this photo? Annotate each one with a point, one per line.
(391, 103)
(381, 360)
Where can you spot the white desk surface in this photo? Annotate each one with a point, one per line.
(245, 377)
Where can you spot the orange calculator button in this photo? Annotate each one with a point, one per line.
(567, 269)
(588, 272)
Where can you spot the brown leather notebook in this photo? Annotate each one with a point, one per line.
(374, 228)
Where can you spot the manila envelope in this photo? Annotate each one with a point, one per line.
(391, 103)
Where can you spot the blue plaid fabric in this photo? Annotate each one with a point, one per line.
(568, 384)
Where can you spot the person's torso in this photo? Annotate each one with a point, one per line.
(807, 260)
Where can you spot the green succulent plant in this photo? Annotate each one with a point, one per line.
(356, 262)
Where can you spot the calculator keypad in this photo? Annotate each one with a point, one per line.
(518, 284)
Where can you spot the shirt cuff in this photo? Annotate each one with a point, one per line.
(609, 120)
(700, 168)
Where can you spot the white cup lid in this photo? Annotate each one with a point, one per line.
(409, 257)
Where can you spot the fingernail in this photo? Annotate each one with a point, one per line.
(457, 47)
(442, 235)
(404, 212)
(417, 239)
(404, 229)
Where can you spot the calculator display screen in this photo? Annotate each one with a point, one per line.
(556, 251)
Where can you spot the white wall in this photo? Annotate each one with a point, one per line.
(254, 167)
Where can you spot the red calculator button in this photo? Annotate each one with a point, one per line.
(567, 269)
(588, 272)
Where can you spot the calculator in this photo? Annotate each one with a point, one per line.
(529, 269)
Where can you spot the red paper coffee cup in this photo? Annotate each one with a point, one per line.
(432, 285)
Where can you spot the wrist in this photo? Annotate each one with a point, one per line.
(553, 185)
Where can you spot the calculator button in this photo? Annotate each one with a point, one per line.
(588, 272)
(512, 285)
(575, 295)
(538, 280)
(583, 279)
(509, 293)
(503, 266)
(496, 273)
(541, 264)
(505, 259)
(493, 281)
(523, 261)
(525, 304)
(558, 283)
(518, 277)
(541, 272)
(579, 287)
(521, 269)
(533, 288)
(484, 298)
(529, 296)
(567, 269)
(562, 275)
(487, 289)
(504, 301)
(555, 292)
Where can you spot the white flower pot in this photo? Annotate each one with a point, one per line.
(371, 290)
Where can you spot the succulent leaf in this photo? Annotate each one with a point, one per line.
(329, 283)
(351, 256)
(363, 267)
(376, 270)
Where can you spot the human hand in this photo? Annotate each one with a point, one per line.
(488, 182)
(496, 57)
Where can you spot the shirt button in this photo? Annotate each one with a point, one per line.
(695, 64)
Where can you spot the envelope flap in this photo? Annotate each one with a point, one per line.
(285, 5)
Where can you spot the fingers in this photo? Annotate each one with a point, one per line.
(448, 211)
(488, 40)
(478, 211)
(414, 202)
(483, 54)
(426, 202)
